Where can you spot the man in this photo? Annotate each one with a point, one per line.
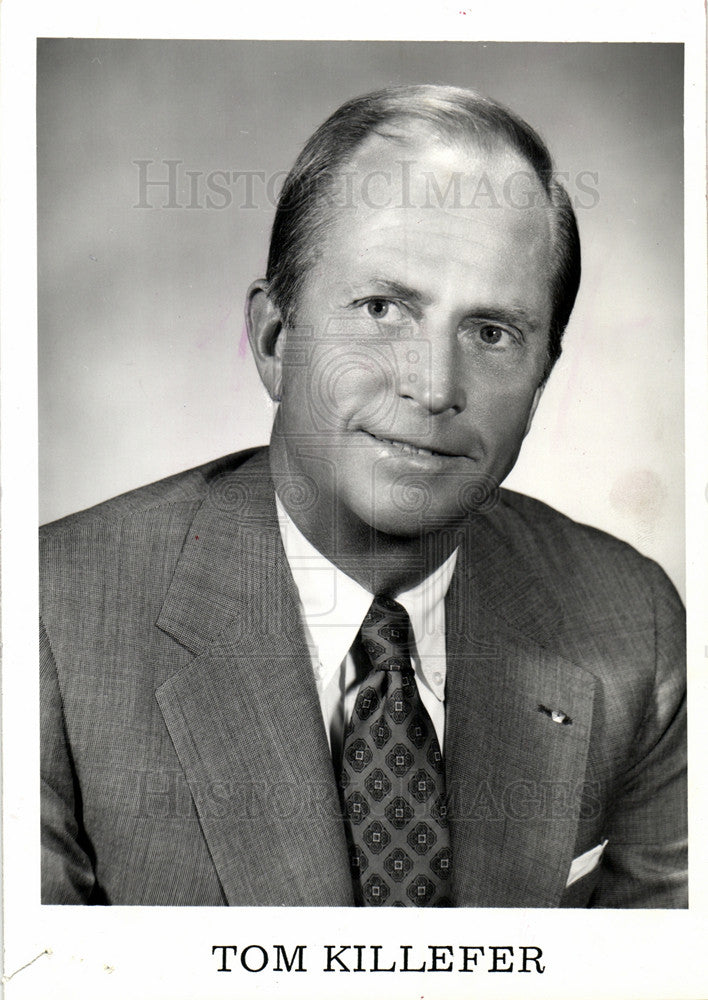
(349, 669)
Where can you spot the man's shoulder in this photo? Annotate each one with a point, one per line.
(174, 496)
(132, 544)
(523, 514)
(575, 557)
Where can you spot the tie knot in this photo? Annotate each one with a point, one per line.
(386, 635)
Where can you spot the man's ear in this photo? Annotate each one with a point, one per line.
(534, 404)
(266, 334)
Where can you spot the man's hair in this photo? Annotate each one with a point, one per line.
(453, 114)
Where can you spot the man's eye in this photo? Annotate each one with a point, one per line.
(492, 335)
(378, 308)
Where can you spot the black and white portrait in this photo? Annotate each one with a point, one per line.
(365, 499)
(352, 667)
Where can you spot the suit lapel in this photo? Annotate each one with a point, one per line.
(244, 714)
(513, 773)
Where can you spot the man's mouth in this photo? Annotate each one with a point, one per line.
(409, 448)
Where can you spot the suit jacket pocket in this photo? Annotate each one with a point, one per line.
(579, 893)
(583, 877)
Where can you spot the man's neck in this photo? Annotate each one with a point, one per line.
(380, 562)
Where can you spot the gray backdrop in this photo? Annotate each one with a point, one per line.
(144, 369)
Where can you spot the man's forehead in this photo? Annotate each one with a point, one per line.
(439, 193)
(412, 181)
(423, 157)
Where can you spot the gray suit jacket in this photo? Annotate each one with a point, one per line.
(184, 756)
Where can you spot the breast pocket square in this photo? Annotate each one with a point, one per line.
(585, 863)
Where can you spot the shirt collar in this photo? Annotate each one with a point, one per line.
(334, 606)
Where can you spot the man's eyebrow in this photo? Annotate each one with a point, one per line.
(389, 286)
(511, 315)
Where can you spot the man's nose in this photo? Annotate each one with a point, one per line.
(433, 372)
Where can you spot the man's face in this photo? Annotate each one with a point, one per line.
(414, 370)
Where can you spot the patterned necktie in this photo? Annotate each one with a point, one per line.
(392, 778)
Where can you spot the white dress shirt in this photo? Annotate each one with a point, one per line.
(333, 606)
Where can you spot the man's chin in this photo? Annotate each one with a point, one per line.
(415, 510)
(410, 525)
